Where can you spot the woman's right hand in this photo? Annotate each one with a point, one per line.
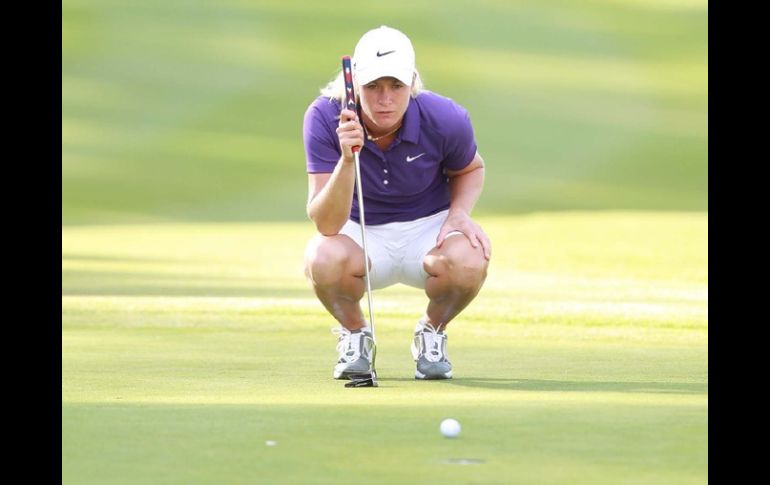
(350, 133)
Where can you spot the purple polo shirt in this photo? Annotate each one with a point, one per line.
(406, 181)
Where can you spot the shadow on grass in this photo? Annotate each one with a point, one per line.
(102, 258)
(572, 386)
(191, 291)
(147, 283)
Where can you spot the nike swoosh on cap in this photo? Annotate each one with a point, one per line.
(411, 159)
(384, 53)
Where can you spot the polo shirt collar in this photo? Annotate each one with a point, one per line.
(411, 127)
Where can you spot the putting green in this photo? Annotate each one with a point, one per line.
(186, 348)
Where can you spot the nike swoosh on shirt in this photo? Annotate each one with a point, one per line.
(411, 159)
(384, 53)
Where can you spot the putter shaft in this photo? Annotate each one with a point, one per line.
(362, 222)
(350, 103)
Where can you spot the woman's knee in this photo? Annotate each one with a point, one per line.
(330, 258)
(459, 262)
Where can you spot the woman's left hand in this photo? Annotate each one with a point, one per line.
(460, 221)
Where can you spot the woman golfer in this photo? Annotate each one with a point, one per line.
(421, 175)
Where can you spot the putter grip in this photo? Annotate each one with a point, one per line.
(350, 97)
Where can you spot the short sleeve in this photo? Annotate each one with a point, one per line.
(460, 147)
(322, 150)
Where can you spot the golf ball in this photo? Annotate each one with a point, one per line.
(450, 428)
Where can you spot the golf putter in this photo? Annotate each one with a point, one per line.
(370, 379)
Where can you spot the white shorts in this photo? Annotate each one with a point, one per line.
(397, 249)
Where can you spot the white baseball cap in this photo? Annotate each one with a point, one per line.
(384, 52)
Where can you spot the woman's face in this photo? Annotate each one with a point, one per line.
(383, 103)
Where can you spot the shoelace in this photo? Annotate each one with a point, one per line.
(434, 343)
(346, 347)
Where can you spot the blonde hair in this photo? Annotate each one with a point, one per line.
(335, 89)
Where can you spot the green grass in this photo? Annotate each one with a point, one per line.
(190, 338)
(584, 359)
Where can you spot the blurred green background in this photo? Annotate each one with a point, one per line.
(192, 110)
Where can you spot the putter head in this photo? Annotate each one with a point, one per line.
(363, 380)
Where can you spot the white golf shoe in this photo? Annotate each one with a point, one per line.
(355, 349)
(430, 353)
